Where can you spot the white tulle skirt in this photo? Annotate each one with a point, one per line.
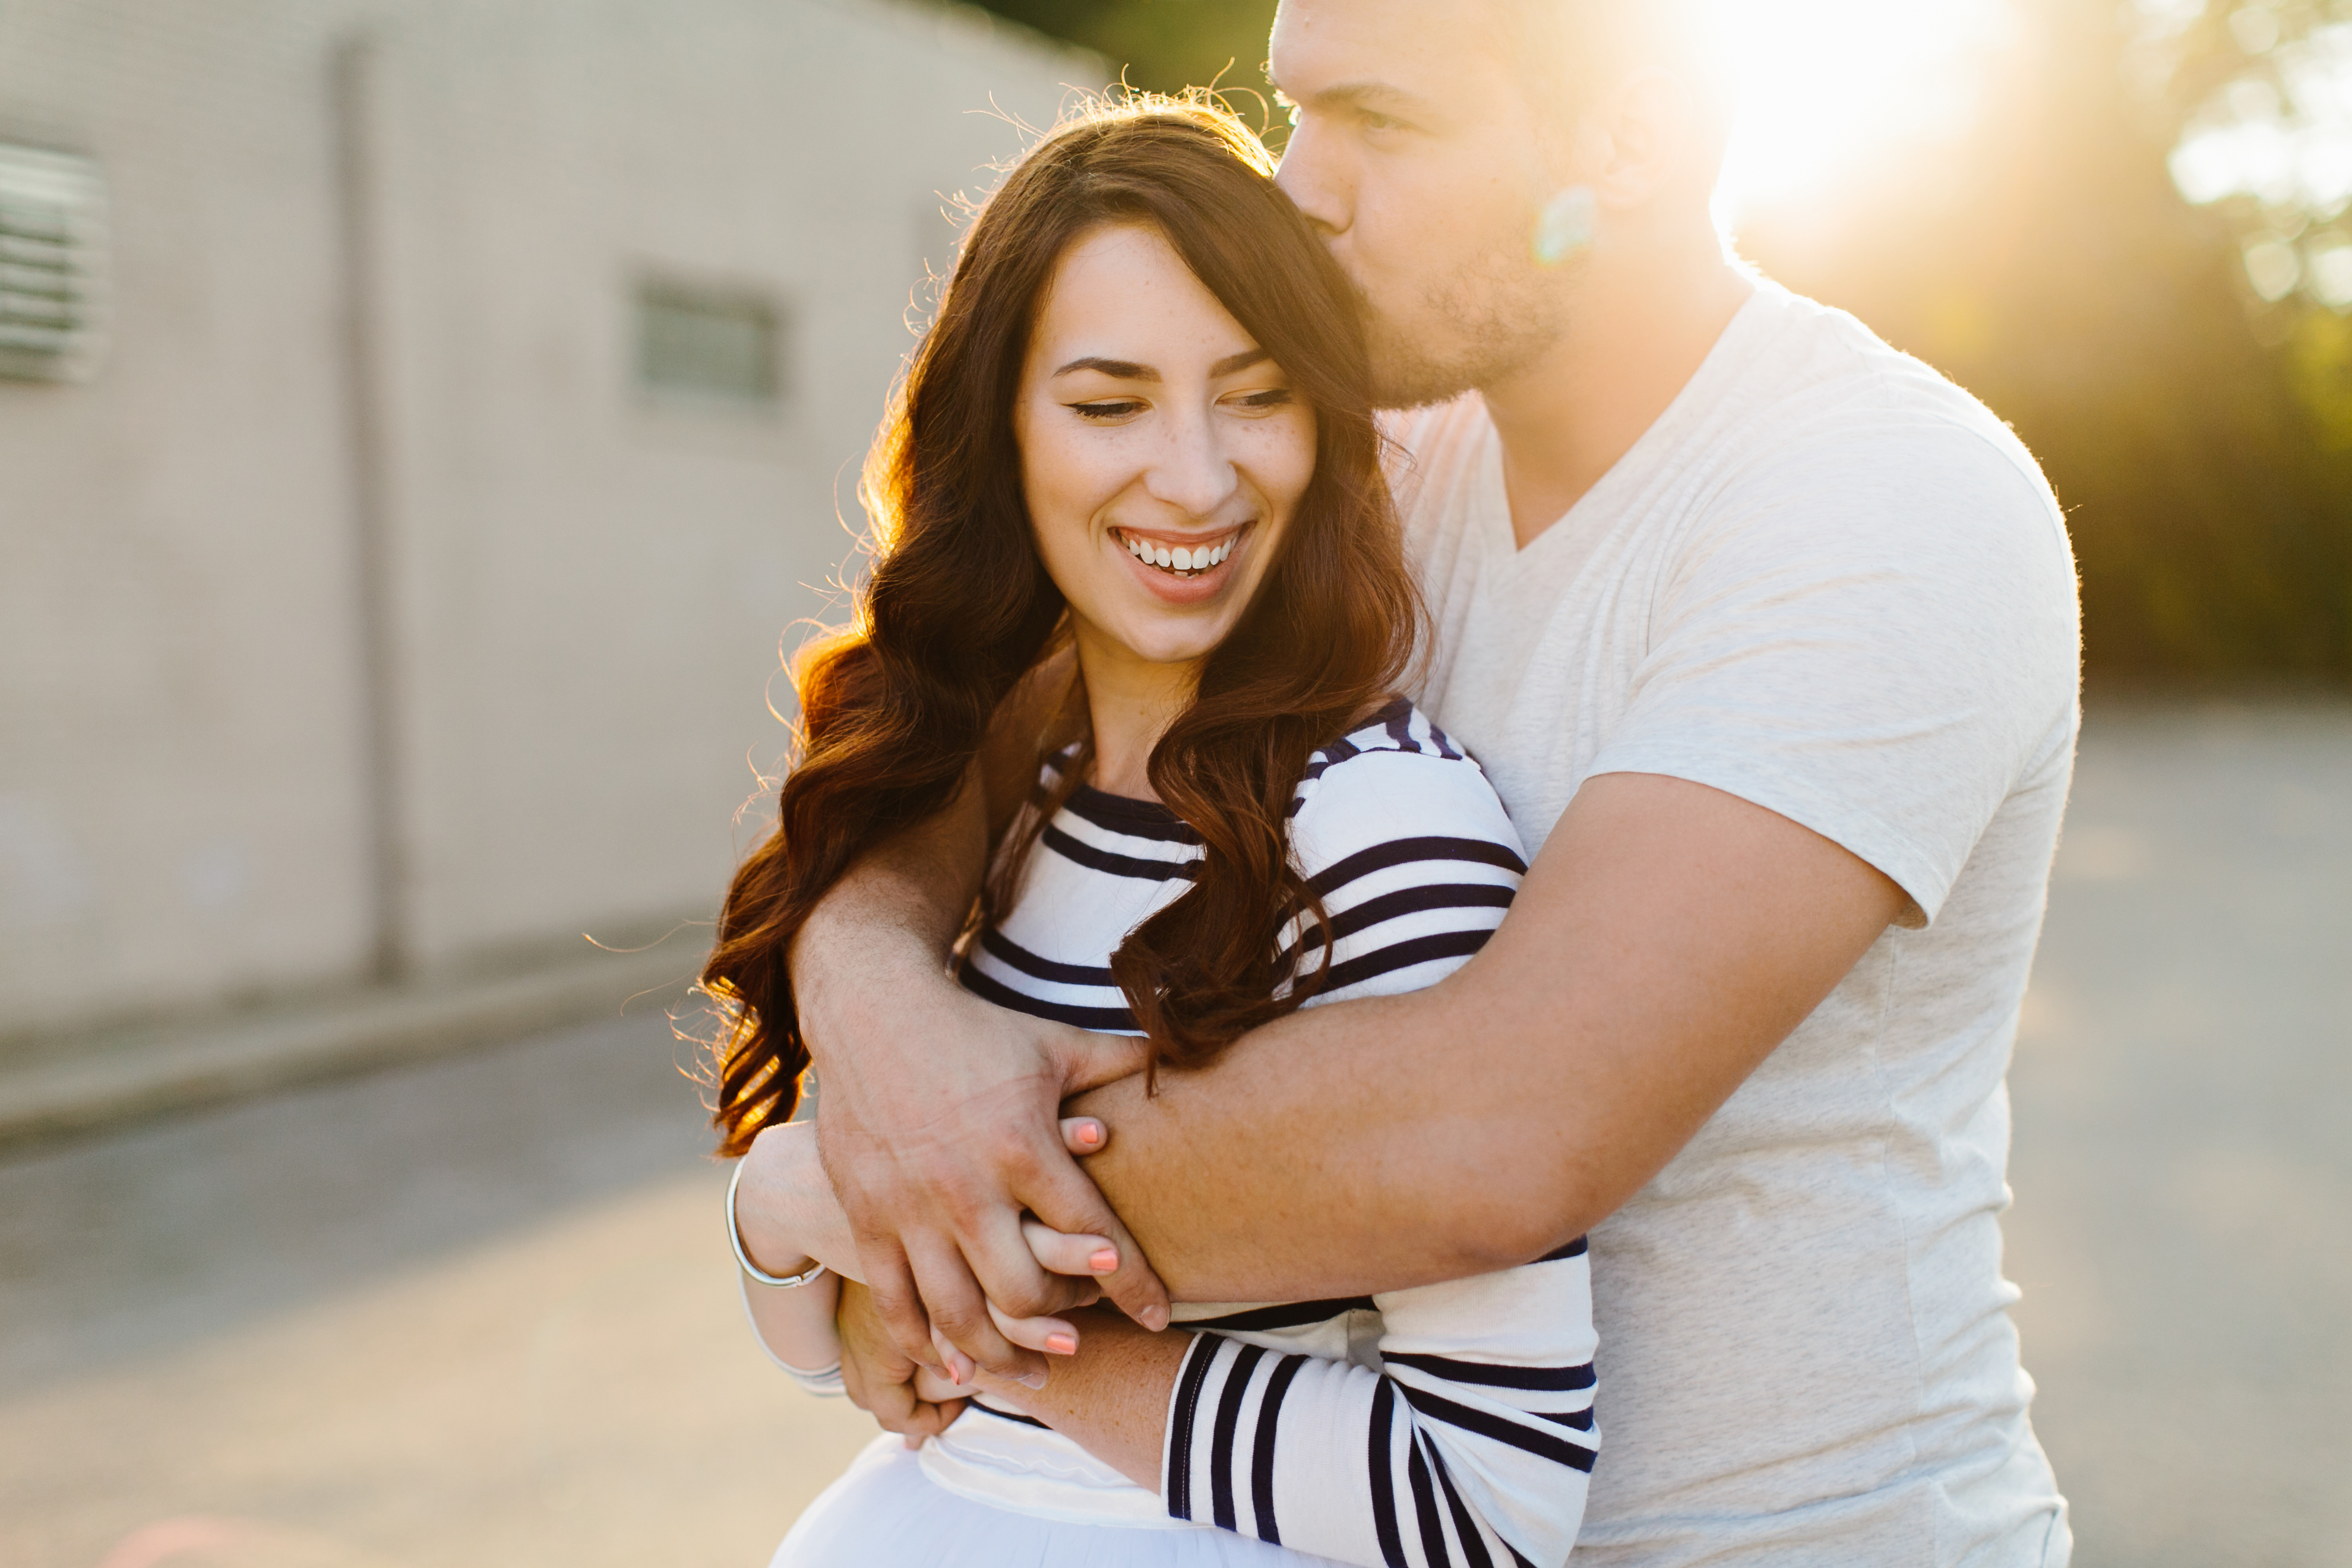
(886, 1511)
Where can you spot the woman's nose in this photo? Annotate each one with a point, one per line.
(1192, 473)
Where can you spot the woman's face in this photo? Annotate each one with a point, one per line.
(1162, 453)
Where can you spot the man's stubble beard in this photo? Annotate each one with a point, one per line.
(1478, 325)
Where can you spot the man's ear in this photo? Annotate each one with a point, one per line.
(1648, 139)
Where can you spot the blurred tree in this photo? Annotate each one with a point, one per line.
(2201, 445)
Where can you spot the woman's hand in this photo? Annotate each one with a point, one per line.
(879, 1376)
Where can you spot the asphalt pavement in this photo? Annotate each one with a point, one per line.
(479, 1311)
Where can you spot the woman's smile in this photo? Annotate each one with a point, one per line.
(1183, 568)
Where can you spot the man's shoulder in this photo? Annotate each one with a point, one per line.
(1834, 386)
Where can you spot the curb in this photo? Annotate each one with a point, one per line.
(131, 1075)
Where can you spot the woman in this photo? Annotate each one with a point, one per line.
(1139, 431)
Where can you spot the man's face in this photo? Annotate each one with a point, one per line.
(1415, 153)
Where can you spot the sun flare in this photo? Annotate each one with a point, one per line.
(1825, 87)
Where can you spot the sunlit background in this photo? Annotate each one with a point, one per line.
(423, 421)
(1835, 94)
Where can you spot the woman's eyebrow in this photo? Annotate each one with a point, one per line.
(1128, 370)
(1117, 369)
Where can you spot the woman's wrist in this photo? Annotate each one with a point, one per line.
(773, 1200)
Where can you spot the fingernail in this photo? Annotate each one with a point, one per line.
(1036, 1380)
(1155, 1318)
(1104, 1262)
(1062, 1344)
(1090, 1133)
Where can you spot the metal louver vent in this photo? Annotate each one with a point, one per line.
(52, 264)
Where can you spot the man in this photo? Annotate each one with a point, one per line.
(1767, 638)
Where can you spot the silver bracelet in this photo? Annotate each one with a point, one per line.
(735, 1239)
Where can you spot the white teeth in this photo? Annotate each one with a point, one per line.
(1182, 557)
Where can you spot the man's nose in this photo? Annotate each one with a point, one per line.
(1192, 472)
(1309, 176)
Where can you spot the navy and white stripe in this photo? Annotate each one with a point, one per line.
(1449, 1423)
(1397, 831)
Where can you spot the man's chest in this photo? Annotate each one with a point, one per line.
(1534, 664)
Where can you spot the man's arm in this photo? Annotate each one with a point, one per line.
(938, 1113)
(1666, 939)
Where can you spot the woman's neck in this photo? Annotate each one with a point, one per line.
(1131, 702)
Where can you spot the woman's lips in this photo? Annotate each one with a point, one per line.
(1184, 556)
(1190, 583)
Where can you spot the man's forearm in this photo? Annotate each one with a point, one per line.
(1668, 937)
(896, 911)
(1320, 1158)
(892, 918)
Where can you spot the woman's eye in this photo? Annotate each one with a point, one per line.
(1272, 397)
(1116, 408)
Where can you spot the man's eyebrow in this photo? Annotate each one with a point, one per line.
(1366, 94)
(1117, 369)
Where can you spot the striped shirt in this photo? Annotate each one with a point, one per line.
(1447, 1424)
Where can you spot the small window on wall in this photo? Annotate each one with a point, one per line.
(715, 347)
(52, 264)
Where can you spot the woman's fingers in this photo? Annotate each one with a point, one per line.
(961, 1316)
(1083, 1256)
(934, 1390)
(1054, 1336)
(1084, 1134)
(954, 1362)
(1061, 1196)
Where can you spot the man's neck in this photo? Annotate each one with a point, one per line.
(1643, 328)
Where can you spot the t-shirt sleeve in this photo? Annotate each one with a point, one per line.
(1875, 637)
(1414, 860)
(1473, 1443)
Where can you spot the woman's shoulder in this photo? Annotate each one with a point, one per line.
(1398, 779)
(1374, 753)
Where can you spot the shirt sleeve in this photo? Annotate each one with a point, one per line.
(1875, 635)
(1414, 860)
(1473, 1444)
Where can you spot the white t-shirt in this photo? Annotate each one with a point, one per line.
(1830, 583)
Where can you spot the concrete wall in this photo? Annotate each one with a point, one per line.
(210, 764)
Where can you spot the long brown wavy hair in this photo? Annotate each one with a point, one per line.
(957, 607)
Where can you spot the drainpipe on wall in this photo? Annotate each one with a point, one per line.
(355, 87)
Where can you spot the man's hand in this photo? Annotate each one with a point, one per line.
(937, 1112)
(938, 1122)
